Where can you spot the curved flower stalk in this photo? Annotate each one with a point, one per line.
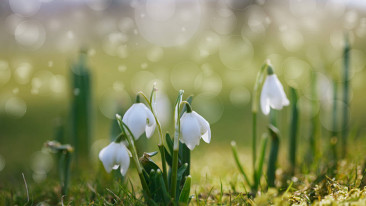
(131, 143)
(193, 127)
(188, 129)
(152, 102)
(140, 119)
(273, 95)
(115, 156)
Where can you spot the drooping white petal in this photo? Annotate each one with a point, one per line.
(264, 101)
(282, 94)
(136, 119)
(190, 130)
(123, 159)
(272, 95)
(150, 123)
(204, 127)
(115, 155)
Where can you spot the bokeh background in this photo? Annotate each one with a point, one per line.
(212, 49)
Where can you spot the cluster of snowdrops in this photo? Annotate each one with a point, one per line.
(163, 185)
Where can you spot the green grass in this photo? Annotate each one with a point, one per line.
(215, 181)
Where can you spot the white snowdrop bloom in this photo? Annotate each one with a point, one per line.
(139, 119)
(192, 127)
(115, 155)
(273, 95)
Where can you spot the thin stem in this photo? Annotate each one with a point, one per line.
(254, 146)
(175, 159)
(188, 106)
(174, 174)
(273, 155)
(130, 139)
(346, 60)
(293, 130)
(176, 145)
(334, 136)
(160, 132)
(258, 84)
(314, 126)
(67, 162)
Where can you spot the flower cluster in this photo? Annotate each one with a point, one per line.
(139, 119)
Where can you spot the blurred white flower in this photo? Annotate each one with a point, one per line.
(273, 95)
(139, 119)
(115, 155)
(192, 127)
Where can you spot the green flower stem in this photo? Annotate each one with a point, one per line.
(66, 171)
(174, 173)
(293, 130)
(81, 109)
(188, 106)
(346, 81)
(130, 139)
(257, 86)
(261, 160)
(176, 145)
(313, 139)
(273, 155)
(333, 138)
(160, 132)
(254, 147)
(175, 159)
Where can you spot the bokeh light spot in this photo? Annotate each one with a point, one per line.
(183, 75)
(4, 72)
(239, 96)
(30, 35)
(15, 107)
(209, 107)
(236, 52)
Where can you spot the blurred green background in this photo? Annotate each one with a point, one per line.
(212, 49)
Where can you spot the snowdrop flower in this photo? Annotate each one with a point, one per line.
(192, 127)
(139, 119)
(115, 155)
(272, 94)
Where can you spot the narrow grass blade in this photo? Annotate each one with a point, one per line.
(273, 155)
(238, 164)
(261, 159)
(312, 152)
(293, 130)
